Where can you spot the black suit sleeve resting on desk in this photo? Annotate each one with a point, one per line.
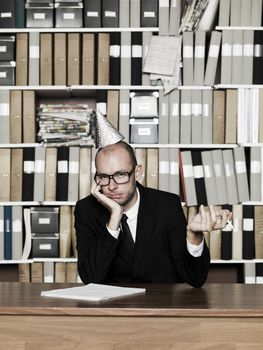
(160, 254)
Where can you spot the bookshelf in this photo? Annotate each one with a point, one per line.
(86, 91)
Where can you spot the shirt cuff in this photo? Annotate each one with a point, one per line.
(114, 233)
(195, 250)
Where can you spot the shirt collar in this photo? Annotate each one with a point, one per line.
(133, 211)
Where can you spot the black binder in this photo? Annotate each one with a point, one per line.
(62, 174)
(92, 13)
(115, 48)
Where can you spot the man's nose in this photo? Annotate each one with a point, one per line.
(112, 184)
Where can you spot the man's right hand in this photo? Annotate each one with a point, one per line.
(114, 208)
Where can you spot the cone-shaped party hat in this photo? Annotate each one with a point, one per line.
(106, 134)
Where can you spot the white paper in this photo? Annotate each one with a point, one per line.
(92, 292)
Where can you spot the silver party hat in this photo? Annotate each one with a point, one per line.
(106, 133)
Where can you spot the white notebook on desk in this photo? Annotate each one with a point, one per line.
(92, 292)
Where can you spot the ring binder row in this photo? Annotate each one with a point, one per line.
(78, 13)
(37, 232)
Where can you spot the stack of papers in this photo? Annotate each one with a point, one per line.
(92, 292)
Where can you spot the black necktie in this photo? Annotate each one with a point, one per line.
(126, 234)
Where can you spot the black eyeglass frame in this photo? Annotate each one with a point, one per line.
(129, 173)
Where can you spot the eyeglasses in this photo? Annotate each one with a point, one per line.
(120, 178)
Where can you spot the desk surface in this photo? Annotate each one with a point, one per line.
(212, 300)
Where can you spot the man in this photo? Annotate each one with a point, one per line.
(166, 250)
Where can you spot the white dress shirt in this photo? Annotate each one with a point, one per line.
(132, 214)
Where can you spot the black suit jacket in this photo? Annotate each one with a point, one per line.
(160, 253)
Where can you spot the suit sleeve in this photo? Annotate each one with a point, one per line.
(96, 246)
(190, 269)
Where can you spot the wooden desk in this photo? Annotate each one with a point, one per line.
(167, 317)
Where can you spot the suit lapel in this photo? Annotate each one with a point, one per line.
(146, 223)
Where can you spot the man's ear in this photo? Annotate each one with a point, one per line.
(138, 172)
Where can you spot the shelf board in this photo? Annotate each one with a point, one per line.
(79, 30)
(242, 261)
(9, 262)
(182, 146)
(45, 203)
(238, 28)
(72, 88)
(238, 86)
(20, 145)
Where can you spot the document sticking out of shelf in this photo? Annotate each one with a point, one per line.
(92, 292)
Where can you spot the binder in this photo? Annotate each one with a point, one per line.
(24, 272)
(60, 59)
(226, 57)
(50, 174)
(187, 178)
(110, 13)
(101, 102)
(135, 13)
(46, 57)
(209, 176)
(196, 111)
(219, 117)
(235, 13)
(174, 116)
(124, 14)
(17, 232)
(164, 17)
(224, 13)
(164, 169)
(16, 174)
(199, 177)
(146, 38)
(226, 239)
(84, 172)
(62, 173)
(248, 232)
(73, 59)
(33, 78)
(230, 177)
(141, 156)
(136, 58)
(39, 178)
(152, 178)
(22, 58)
(207, 117)
(73, 233)
(113, 107)
(65, 231)
(29, 116)
(88, 59)
(92, 13)
(7, 14)
(60, 272)
(125, 58)
(163, 117)
(241, 174)
(19, 13)
(231, 116)
(37, 272)
(215, 238)
(220, 180)
(8, 233)
(73, 176)
(124, 112)
(245, 18)
(212, 59)
(5, 174)
(237, 241)
(1, 233)
(174, 183)
(237, 58)
(28, 174)
(115, 52)
(258, 232)
(185, 116)
(255, 173)
(199, 57)
(256, 13)
(103, 58)
(175, 15)
(248, 57)
(4, 116)
(149, 13)
(188, 58)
